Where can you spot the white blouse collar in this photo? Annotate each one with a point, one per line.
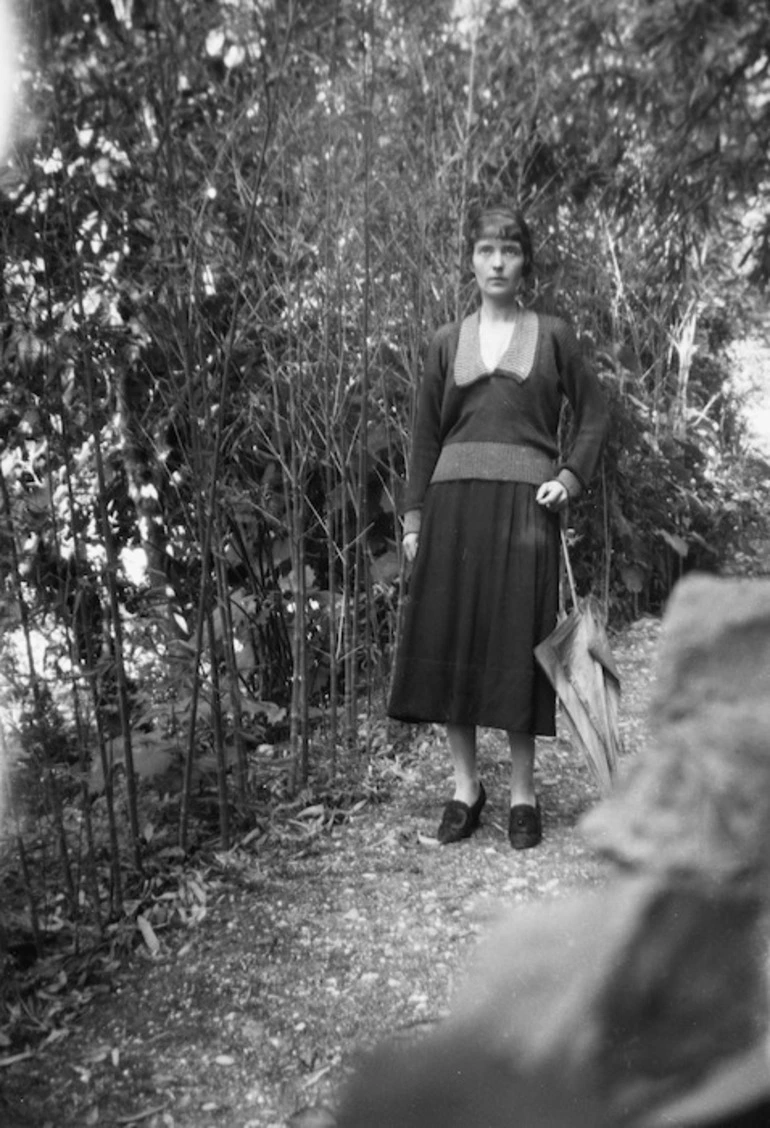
(517, 361)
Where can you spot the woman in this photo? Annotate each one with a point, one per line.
(482, 523)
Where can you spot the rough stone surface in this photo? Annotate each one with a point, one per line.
(697, 807)
(449, 1083)
(630, 986)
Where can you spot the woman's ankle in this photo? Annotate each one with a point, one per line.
(467, 789)
(523, 795)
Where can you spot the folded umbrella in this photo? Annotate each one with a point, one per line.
(578, 662)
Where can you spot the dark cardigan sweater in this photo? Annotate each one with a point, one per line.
(503, 425)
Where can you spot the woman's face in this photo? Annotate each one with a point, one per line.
(498, 265)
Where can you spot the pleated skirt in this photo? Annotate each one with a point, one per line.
(482, 594)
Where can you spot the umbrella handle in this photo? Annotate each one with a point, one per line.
(568, 566)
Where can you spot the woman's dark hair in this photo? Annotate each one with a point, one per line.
(500, 221)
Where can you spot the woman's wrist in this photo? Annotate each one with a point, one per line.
(571, 483)
(412, 521)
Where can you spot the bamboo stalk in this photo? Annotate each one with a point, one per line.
(330, 210)
(231, 664)
(205, 519)
(220, 752)
(92, 877)
(348, 637)
(303, 703)
(362, 588)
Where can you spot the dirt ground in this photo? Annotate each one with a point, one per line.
(314, 945)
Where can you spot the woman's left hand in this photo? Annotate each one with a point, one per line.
(552, 495)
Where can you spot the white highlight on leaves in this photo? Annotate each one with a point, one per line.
(215, 41)
(234, 56)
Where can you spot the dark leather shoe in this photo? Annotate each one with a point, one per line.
(525, 826)
(459, 820)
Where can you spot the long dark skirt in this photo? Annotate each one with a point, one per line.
(482, 594)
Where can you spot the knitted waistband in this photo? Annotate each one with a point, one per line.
(495, 462)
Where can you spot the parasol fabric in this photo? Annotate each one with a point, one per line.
(578, 662)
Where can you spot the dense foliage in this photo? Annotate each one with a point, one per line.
(228, 230)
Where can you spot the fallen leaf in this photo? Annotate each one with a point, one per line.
(313, 812)
(426, 840)
(314, 1078)
(97, 1055)
(16, 1057)
(314, 1116)
(135, 1117)
(148, 934)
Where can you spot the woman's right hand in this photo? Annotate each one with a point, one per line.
(409, 545)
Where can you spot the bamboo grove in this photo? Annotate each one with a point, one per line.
(228, 230)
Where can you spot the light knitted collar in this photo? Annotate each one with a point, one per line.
(516, 361)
